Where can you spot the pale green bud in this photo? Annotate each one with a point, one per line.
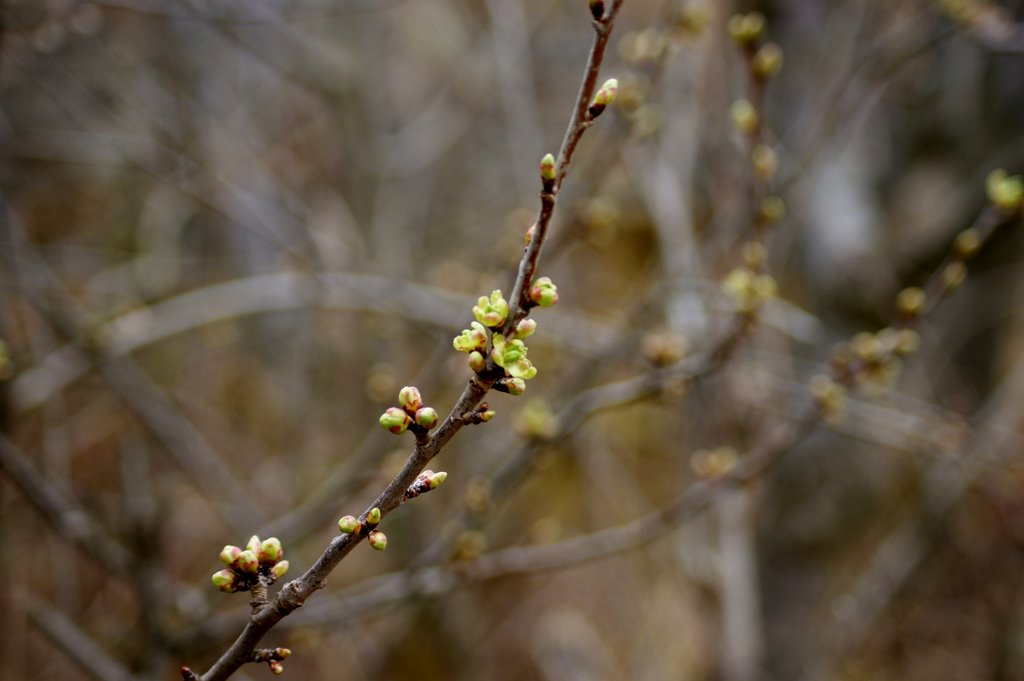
(547, 168)
(487, 415)
(373, 517)
(436, 479)
(1005, 192)
(764, 160)
(426, 417)
(378, 540)
(477, 361)
(247, 562)
(544, 292)
(525, 328)
(395, 420)
(491, 311)
(515, 386)
(228, 554)
(279, 569)
(967, 243)
(768, 61)
(271, 551)
(910, 301)
(473, 338)
(224, 580)
(348, 524)
(604, 97)
(773, 209)
(253, 544)
(744, 116)
(746, 29)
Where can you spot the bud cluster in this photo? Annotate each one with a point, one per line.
(349, 524)
(410, 413)
(273, 657)
(869, 360)
(748, 289)
(258, 561)
(426, 481)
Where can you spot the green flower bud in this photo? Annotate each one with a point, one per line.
(547, 168)
(271, 551)
(348, 524)
(768, 61)
(477, 361)
(283, 653)
(409, 399)
(765, 161)
(515, 386)
(253, 544)
(967, 243)
(395, 420)
(276, 667)
(1005, 192)
(953, 275)
(493, 311)
(436, 479)
(910, 301)
(473, 338)
(744, 116)
(279, 569)
(426, 417)
(487, 415)
(378, 540)
(746, 29)
(604, 97)
(224, 580)
(373, 517)
(247, 562)
(228, 554)
(772, 209)
(525, 328)
(544, 292)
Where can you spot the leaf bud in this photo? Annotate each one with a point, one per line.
(348, 524)
(767, 61)
(746, 29)
(604, 97)
(764, 160)
(967, 243)
(436, 479)
(426, 417)
(744, 116)
(228, 554)
(270, 551)
(910, 301)
(373, 517)
(1006, 193)
(409, 399)
(378, 540)
(224, 580)
(954, 274)
(486, 416)
(544, 292)
(282, 653)
(395, 420)
(547, 168)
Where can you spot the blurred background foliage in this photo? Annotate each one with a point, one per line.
(233, 230)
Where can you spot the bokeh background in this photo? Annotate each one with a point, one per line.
(233, 230)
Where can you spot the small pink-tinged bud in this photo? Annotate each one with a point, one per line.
(276, 667)
(373, 517)
(409, 399)
(525, 328)
(435, 479)
(378, 540)
(279, 569)
(477, 361)
(228, 554)
(253, 544)
(597, 9)
(604, 97)
(271, 551)
(247, 562)
(547, 168)
(224, 580)
(515, 386)
(348, 524)
(544, 292)
(426, 417)
(395, 420)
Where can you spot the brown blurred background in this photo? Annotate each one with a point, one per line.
(232, 230)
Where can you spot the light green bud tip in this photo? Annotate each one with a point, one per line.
(473, 338)
(426, 417)
(516, 386)
(395, 420)
(224, 580)
(768, 60)
(373, 517)
(271, 551)
(228, 554)
(606, 95)
(253, 544)
(544, 292)
(491, 311)
(547, 167)
(744, 116)
(1005, 192)
(487, 415)
(436, 479)
(409, 399)
(247, 562)
(476, 361)
(525, 328)
(378, 540)
(348, 524)
(279, 569)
